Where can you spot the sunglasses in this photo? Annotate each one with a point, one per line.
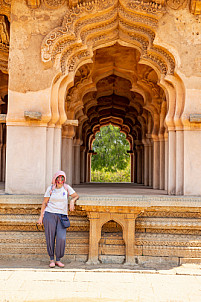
(60, 177)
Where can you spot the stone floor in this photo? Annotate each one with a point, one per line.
(116, 189)
(34, 281)
(109, 188)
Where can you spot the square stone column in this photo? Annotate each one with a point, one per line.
(171, 162)
(76, 147)
(26, 160)
(82, 165)
(156, 163)
(94, 237)
(146, 163)
(162, 163)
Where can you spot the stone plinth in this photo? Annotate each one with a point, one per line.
(154, 228)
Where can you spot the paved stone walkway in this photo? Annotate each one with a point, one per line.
(34, 281)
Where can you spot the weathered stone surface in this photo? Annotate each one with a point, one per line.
(127, 63)
(33, 115)
(2, 118)
(195, 118)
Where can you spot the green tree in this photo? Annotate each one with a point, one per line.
(111, 147)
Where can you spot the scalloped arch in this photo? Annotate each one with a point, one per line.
(94, 25)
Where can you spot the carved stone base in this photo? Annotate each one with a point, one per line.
(165, 235)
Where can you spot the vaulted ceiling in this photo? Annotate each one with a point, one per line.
(115, 89)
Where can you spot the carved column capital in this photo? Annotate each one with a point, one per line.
(68, 131)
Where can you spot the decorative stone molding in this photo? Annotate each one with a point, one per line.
(195, 118)
(33, 115)
(168, 223)
(53, 4)
(3, 118)
(71, 39)
(164, 236)
(71, 123)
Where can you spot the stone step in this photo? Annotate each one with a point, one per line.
(28, 223)
(27, 238)
(16, 248)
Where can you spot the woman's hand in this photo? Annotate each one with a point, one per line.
(72, 205)
(74, 196)
(40, 220)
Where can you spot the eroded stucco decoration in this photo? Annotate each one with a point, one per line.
(5, 7)
(4, 44)
(195, 6)
(131, 22)
(33, 3)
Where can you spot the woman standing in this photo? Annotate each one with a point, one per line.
(55, 204)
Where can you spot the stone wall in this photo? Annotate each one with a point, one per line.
(163, 234)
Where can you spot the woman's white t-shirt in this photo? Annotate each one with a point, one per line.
(58, 202)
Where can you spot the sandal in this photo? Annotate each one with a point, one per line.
(59, 264)
(52, 263)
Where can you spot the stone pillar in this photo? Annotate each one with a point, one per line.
(162, 162)
(30, 107)
(67, 153)
(135, 166)
(57, 149)
(77, 161)
(50, 155)
(142, 157)
(150, 163)
(94, 237)
(171, 162)
(146, 163)
(88, 166)
(82, 165)
(129, 238)
(3, 162)
(166, 160)
(191, 120)
(179, 162)
(1, 152)
(67, 159)
(132, 167)
(53, 159)
(139, 165)
(26, 159)
(156, 163)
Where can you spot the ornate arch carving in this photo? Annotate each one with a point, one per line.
(88, 27)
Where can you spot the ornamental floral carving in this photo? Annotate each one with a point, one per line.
(54, 3)
(78, 32)
(176, 4)
(4, 44)
(5, 7)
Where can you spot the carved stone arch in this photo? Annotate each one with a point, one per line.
(74, 40)
(171, 103)
(113, 217)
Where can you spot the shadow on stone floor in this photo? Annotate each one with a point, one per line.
(77, 266)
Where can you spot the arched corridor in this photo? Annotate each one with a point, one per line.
(117, 89)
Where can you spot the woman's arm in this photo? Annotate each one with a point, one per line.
(44, 205)
(74, 196)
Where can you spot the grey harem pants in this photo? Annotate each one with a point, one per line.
(54, 230)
